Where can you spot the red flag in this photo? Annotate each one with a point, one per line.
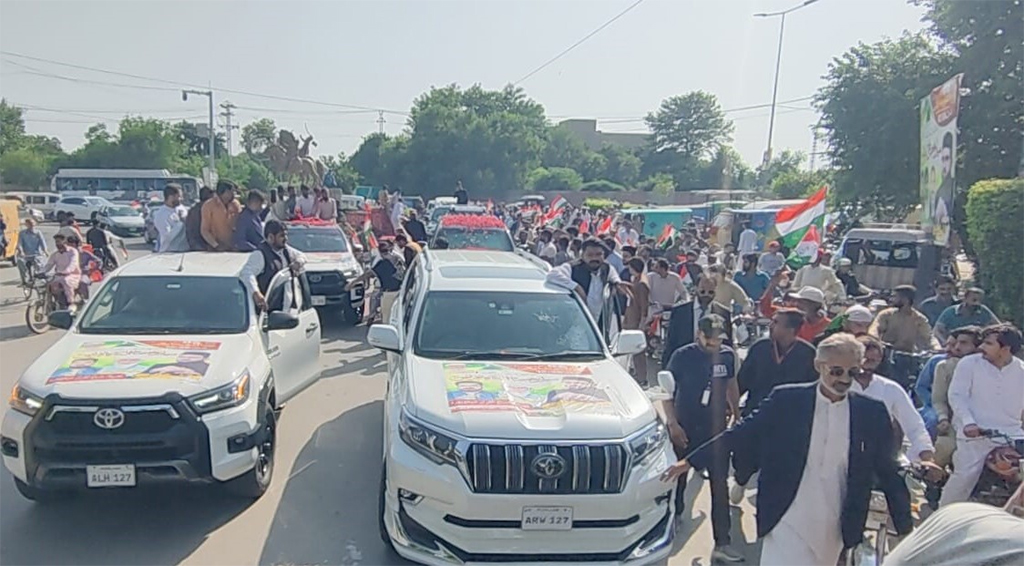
(584, 227)
(605, 226)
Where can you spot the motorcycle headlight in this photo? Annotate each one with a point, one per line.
(647, 442)
(436, 446)
(24, 401)
(224, 397)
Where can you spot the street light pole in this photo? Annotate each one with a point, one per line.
(778, 65)
(208, 94)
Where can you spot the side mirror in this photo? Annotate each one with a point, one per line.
(666, 381)
(384, 337)
(61, 319)
(281, 320)
(629, 342)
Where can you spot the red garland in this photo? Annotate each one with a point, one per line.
(312, 221)
(472, 221)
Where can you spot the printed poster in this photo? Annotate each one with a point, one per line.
(939, 112)
(104, 360)
(531, 389)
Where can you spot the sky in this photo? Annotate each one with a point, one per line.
(346, 59)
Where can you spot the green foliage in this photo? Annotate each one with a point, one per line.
(140, 143)
(340, 170)
(621, 165)
(247, 172)
(554, 179)
(659, 184)
(258, 136)
(798, 183)
(995, 210)
(602, 186)
(198, 144)
(24, 167)
(869, 108)
(12, 126)
(691, 124)
(785, 162)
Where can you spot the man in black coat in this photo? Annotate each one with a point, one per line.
(682, 323)
(821, 451)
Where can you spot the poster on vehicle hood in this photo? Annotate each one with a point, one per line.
(104, 360)
(939, 112)
(531, 389)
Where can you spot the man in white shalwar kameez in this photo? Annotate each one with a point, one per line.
(819, 450)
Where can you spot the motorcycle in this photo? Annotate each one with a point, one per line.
(657, 334)
(1003, 473)
(905, 367)
(37, 313)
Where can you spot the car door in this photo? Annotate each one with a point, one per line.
(294, 353)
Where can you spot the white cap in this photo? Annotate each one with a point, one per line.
(859, 313)
(810, 294)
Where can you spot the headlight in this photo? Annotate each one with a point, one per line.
(648, 442)
(24, 401)
(434, 445)
(224, 397)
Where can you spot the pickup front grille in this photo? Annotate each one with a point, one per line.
(516, 468)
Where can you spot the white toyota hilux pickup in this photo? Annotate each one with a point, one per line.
(169, 373)
(511, 434)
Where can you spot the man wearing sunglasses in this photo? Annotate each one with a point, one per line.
(682, 323)
(820, 452)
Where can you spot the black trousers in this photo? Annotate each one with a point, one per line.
(718, 471)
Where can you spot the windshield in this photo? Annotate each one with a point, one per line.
(168, 305)
(314, 240)
(881, 252)
(439, 212)
(97, 201)
(120, 211)
(470, 239)
(504, 324)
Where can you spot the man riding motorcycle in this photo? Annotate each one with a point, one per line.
(101, 241)
(67, 272)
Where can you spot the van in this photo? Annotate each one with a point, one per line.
(43, 202)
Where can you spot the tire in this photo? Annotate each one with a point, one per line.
(382, 529)
(34, 493)
(36, 316)
(254, 483)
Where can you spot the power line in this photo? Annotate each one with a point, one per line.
(580, 42)
(192, 85)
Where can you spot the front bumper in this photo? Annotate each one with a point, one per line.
(432, 517)
(128, 231)
(161, 436)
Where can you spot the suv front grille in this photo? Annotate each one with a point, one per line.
(325, 282)
(512, 468)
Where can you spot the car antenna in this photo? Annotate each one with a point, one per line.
(181, 263)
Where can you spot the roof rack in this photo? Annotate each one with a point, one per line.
(545, 266)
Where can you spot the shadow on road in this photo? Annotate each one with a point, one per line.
(327, 514)
(139, 527)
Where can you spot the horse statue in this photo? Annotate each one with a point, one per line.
(287, 158)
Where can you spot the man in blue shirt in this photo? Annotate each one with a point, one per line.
(923, 388)
(945, 297)
(706, 396)
(31, 248)
(753, 281)
(968, 313)
(248, 233)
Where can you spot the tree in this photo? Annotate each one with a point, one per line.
(340, 172)
(787, 162)
(563, 148)
(140, 143)
(554, 179)
(794, 184)
(659, 184)
(247, 172)
(995, 208)
(692, 125)
(369, 160)
(258, 136)
(197, 143)
(869, 108)
(622, 166)
(12, 126)
(24, 167)
(988, 40)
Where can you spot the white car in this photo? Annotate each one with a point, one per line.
(168, 374)
(81, 207)
(330, 264)
(511, 434)
(122, 220)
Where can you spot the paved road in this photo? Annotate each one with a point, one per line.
(320, 509)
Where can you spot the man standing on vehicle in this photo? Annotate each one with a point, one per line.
(67, 272)
(31, 249)
(589, 276)
(415, 228)
(461, 196)
(970, 312)
(987, 393)
(194, 222)
(945, 297)
(249, 234)
(389, 269)
(820, 453)
(169, 222)
(780, 358)
(704, 401)
(272, 256)
(305, 204)
(219, 216)
(903, 326)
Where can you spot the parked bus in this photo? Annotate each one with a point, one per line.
(122, 184)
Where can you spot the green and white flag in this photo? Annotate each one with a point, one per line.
(800, 227)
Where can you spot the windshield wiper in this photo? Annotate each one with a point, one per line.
(564, 355)
(475, 354)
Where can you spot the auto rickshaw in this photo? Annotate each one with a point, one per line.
(9, 212)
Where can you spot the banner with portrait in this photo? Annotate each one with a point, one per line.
(939, 112)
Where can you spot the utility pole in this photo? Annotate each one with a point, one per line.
(778, 65)
(228, 114)
(814, 145)
(381, 121)
(208, 94)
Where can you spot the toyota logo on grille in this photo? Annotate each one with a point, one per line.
(315, 278)
(108, 418)
(548, 466)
